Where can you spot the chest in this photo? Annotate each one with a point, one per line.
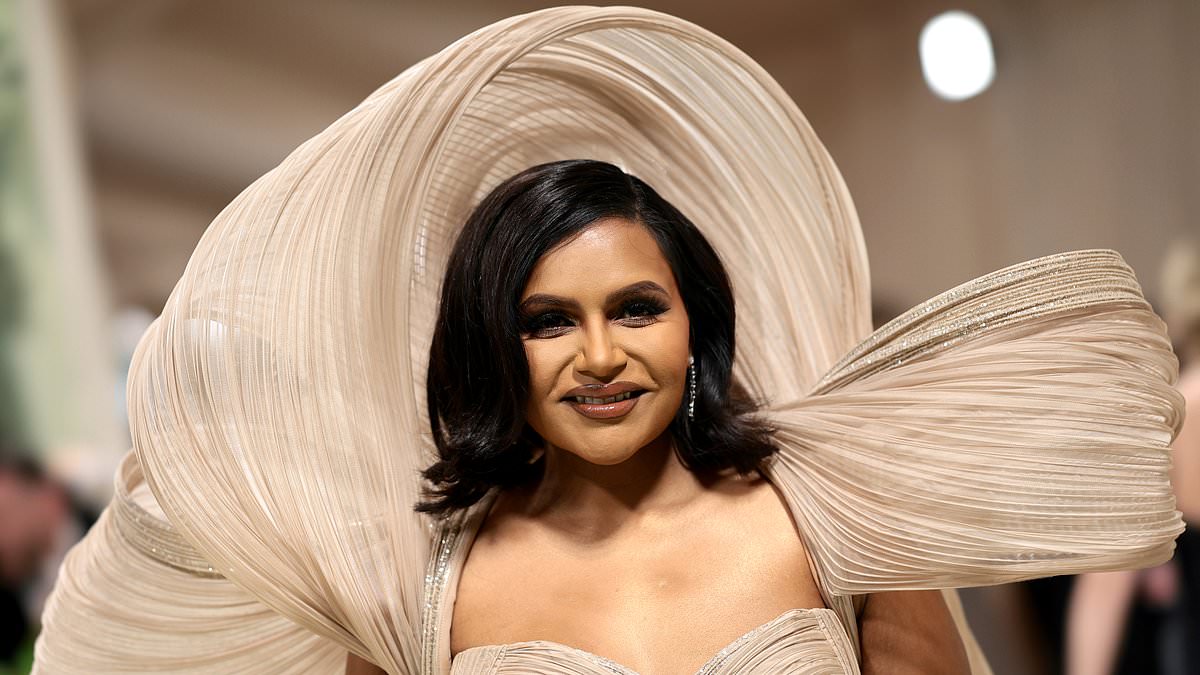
(658, 601)
(626, 601)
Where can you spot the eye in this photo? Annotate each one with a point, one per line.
(640, 312)
(546, 325)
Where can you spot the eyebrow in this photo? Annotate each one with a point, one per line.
(616, 297)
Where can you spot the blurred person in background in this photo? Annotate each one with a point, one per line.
(1145, 621)
(1181, 305)
(38, 522)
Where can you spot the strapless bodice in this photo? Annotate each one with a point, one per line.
(800, 641)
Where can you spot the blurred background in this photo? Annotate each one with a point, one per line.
(126, 125)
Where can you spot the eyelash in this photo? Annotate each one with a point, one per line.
(635, 313)
(640, 312)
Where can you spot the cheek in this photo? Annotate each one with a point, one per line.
(545, 365)
(670, 352)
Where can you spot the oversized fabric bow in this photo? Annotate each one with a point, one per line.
(1015, 427)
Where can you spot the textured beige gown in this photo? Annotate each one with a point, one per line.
(1014, 427)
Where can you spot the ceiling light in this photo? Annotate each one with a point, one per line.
(956, 55)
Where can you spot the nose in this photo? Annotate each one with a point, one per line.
(599, 356)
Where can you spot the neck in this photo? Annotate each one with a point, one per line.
(588, 500)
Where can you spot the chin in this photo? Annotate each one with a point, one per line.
(604, 445)
(605, 458)
(610, 451)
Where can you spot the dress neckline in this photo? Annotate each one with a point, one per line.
(709, 666)
(454, 537)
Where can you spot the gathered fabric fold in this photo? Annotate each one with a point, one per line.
(1015, 427)
(135, 597)
(1012, 428)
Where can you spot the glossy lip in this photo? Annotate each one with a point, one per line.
(602, 390)
(604, 411)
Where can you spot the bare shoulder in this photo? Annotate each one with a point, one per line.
(358, 666)
(500, 577)
(753, 517)
(764, 503)
(910, 633)
(757, 507)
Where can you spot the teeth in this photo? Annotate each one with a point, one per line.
(599, 401)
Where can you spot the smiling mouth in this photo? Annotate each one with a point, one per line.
(590, 400)
(610, 408)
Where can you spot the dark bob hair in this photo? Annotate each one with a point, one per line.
(478, 379)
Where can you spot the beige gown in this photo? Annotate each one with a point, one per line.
(1014, 427)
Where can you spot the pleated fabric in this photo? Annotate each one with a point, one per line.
(1016, 427)
(799, 642)
(135, 598)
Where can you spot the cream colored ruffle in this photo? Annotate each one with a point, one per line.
(133, 597)
(277, 405)
(1014, 427)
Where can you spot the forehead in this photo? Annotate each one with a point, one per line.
(611, 253)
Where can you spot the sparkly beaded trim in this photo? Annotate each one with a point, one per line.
(1081, 279)
(151, 535)
(607, 664)
(713, 664)
(449, 529)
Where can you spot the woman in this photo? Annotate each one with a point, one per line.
(266, 521)
(631, 468)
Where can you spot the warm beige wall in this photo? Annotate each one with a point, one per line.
(1089, 137)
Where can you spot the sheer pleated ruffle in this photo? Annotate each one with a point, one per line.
(1014, 427)
(277, 405)
(133, 597)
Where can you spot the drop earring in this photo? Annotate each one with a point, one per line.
(691, 387)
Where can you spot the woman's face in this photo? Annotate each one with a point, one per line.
(606, 336)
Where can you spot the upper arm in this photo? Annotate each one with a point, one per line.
(910, 632)
(358, 666)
